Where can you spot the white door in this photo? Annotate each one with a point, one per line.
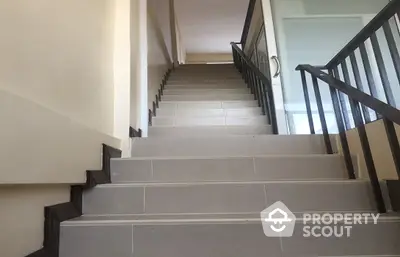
(308, 32)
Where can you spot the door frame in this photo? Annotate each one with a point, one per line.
(275, 80)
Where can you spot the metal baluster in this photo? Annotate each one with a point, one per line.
(307, 99)
(267, 104)
(256, 93)
(382, 70)
(357, 78)
(342, 132)
(342, 100)
(355, 108)
(271, 109)
(394, 53)
(322, 116)
(262, 96)
(368, 73)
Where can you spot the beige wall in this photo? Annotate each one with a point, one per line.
(60, 54)
(22, 216)
(40, 146)
(57, 89)
(159, 59)
(47, 152)
(380, 150)
(192, 58)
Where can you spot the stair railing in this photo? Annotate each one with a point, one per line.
(258, 83)
(359, 101)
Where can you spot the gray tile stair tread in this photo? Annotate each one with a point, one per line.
(283, 156)
(192, 218)
(172, 184)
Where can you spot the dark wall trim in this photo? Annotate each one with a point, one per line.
(156, 104)
(135, 133)
(247, 22)
(56, 214)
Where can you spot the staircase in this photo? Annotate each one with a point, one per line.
(197, 185)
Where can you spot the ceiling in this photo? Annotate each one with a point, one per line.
(208, 26)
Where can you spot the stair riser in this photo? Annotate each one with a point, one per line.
(201, 77)
(215, 131)
(223, 240)
(209, 121)
(227, 97)
(207, 82)
(245, 112)
(205, 91)
(228, 170)
(228, 146)
(185, 106)
(203, 86)
(228, 198)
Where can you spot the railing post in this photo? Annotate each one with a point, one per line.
(321, 112)
(307, 100)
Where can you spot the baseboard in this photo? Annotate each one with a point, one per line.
(56, 214)
(134, 133)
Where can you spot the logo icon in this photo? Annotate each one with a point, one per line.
(278, 221)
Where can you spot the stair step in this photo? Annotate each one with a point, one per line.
(218, 112)
(242, 238)
(209, 121)
(208, 131)
(232, 197)
(195, 91)
(205, 86)
(306, 167)
(228, 146)
(224, 75)
(185, 105)
(213, 83)
(215, 97)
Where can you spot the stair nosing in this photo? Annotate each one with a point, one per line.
(258, 182)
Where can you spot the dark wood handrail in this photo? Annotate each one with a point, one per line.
(247, 23)
(378, 106)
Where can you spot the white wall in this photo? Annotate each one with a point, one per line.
(200, 58)
(139, 66)
(122, 73)
(208, 26)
